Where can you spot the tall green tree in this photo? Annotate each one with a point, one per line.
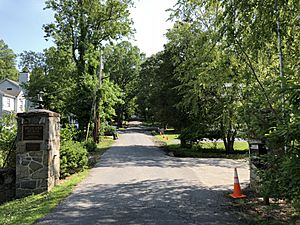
(122, 65)
(7, 62)
(254, 44)
(32, 60)
(80, 29)
(55, 76)
(158, 96)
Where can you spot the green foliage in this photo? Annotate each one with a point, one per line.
(68, 133)
(55, 77)
(7, 62)
(32, 60)
(231, 68)
(73, 158)
(110, 97)
(122, 65)
(73, 154)
(8, 134)
(280, 177)
(71, 80)
(109, 130)
(90, 145)
(158, 96)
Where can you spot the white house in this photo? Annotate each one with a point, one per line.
(12, 98)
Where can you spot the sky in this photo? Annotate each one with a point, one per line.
(21, 24)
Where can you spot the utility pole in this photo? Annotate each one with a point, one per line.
(96, 109)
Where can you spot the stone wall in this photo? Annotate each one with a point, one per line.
(37, 158)
(7, 184)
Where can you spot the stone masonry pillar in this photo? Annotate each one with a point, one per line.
(37, 155)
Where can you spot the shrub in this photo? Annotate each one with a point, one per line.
(73, 158)
(90, 145)
(8, 133)
(280, 177)
(69, 132)
(110, 130)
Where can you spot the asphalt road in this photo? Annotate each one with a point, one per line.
(136, 183)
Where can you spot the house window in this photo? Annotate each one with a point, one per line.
(9, 89)
(21, 105)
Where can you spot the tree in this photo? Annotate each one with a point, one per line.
(7, 62)
(32, 60)
(255, 44)
(122, 64)
(158, 96)
(79, 30)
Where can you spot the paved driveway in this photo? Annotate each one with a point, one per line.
(136, 183)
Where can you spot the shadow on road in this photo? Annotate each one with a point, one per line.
(125, 188)
(151, 156)
(159, 202)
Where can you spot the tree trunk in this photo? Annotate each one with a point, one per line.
(266, 200)
(119, 123)
(96, 127)
(183, 143)
(229, 141)
(165, 126)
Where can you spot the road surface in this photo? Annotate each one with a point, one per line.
(136, 183)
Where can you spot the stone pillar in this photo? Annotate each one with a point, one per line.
(37, 155)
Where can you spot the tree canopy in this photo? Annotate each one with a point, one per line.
(79, 31)
(122, 65)
(7, 62)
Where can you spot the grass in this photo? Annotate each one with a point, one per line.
(28, 210)
(168, 139)
(202, 150)
(238, 145)
(105, 143)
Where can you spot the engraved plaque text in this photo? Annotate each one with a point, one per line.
(32, 132)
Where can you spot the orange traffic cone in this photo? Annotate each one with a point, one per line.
(237, 188)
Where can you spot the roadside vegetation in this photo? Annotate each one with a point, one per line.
(28, 210)
(8, 132)
(229, 69)
(75, 159)
(255, 211)
(169, 140)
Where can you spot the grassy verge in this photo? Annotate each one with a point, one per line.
(28, 210)
(105, 143)
(169, 142)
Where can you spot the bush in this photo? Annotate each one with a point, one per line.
(73, 158)
(69, 132)
(110, 130)
(90, 145)
(280, 177)
(8, 133)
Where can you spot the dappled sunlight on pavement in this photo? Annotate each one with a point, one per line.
(136, 183)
